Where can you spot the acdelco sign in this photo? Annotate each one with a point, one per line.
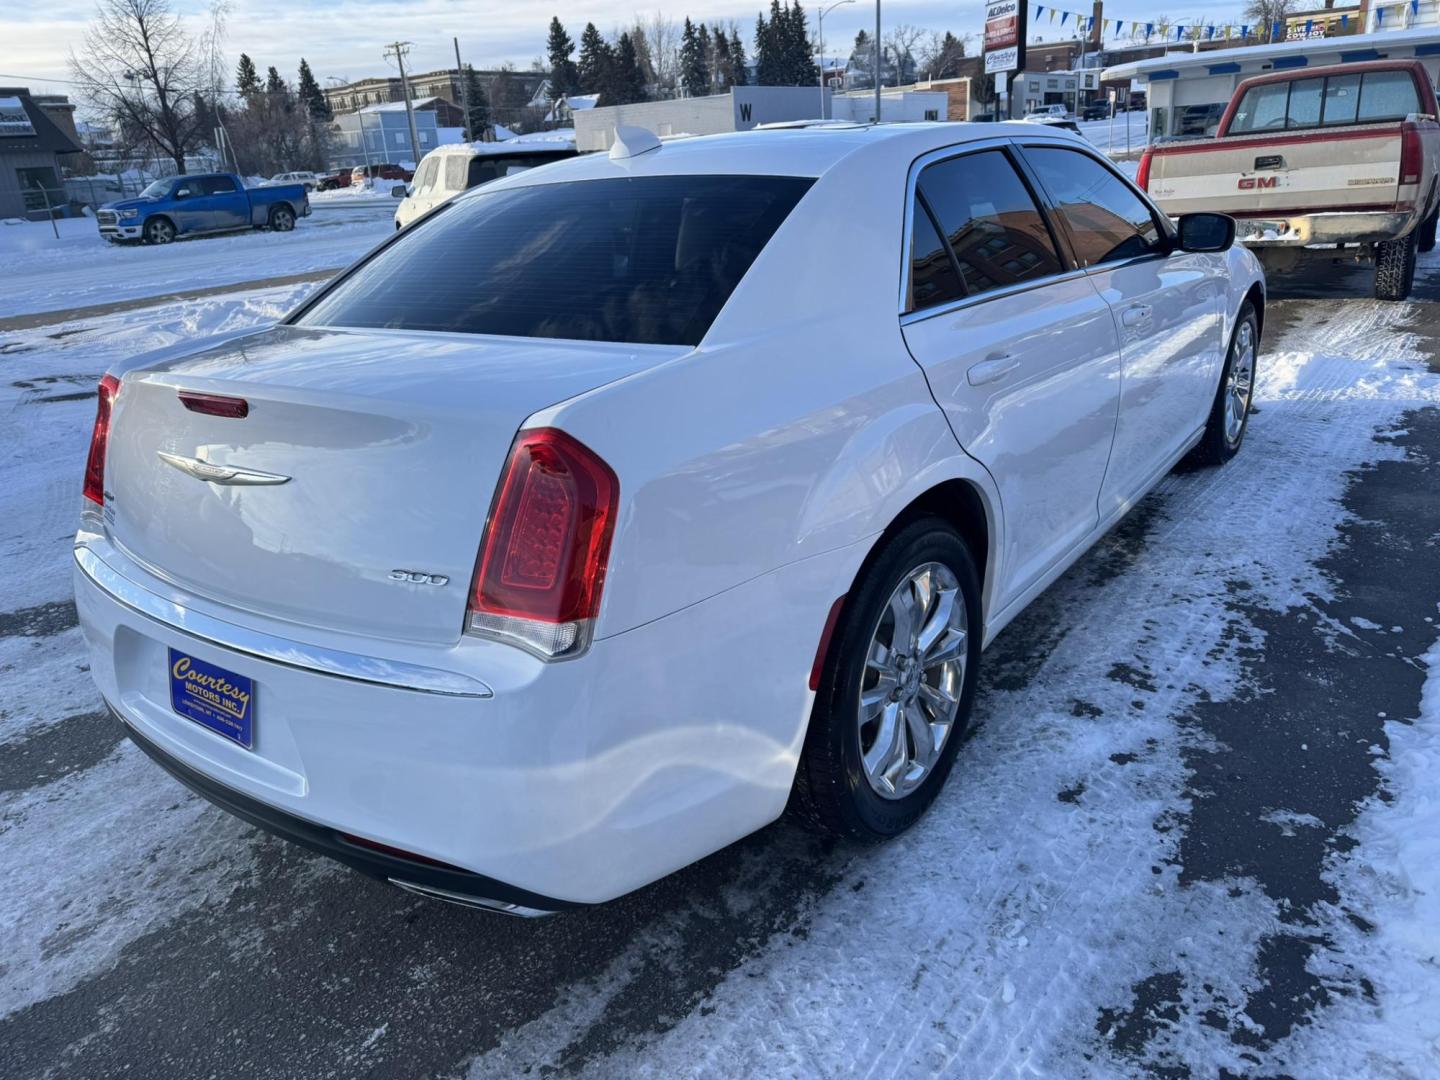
(1004, 36)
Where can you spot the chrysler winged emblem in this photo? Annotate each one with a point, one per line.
(219, 474)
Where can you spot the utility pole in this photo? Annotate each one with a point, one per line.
(877, 61)
(464, 90)
(397, 51)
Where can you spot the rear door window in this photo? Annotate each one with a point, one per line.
(993, 232)
(425, 176)
(1262, 108)
(1306, 96)
(456, 169)
(218, 185)
(648, 260)
(1106, 220)
(1342, 95)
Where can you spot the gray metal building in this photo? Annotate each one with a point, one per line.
(31, 149)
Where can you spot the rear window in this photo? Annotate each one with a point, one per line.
(1327, 102)
(648, 260)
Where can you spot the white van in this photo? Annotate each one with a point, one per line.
(448, 170)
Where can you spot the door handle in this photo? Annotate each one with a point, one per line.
(1136, 315)
(992, 368)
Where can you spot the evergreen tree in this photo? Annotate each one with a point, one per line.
(564, 78)
(862, 57)
(628, 80)
(707, 55)
(693, 75)
(277, 90)
(312, 98)
(799, 53)
(477, 120)
(595, 62)
(739, 74)
(247, 79)
(769, 59)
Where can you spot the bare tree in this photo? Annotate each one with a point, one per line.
(140, 68)
(902, 41)
(940, 54)
(663, 39)
(1264, 14)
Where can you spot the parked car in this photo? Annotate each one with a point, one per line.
(581, 527)
(448, 170)
(1347, 155)
(309, 179)
(1048, 112)
(361, 173)
(202, 203)
(1096, 110)
(332, 181)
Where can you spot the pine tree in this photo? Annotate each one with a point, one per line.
(769, 69)
(596, 60)
(694, 77)
(247, 79)
(800, 55)
(477, 120)
(277, 90)
(628, 80)
(564, 78)
(707, 55)
(739, 74)
(862, 56)
(312, 98)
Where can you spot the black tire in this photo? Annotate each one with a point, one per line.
(1427, 232)
(1395, 267)
(832, 793)
(159, 230)
(282, 218)
(1221, 440)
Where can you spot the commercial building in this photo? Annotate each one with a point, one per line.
(32, 150)
(1188, 91)
(445, 83)
(377, 134)
(745, 107)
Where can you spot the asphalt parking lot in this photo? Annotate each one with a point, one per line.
(1152, 858)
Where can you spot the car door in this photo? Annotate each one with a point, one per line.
(190, 206)
(1019, 350)
(229, 206)
(1167, 305)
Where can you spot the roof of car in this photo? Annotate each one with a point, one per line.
(790, 151)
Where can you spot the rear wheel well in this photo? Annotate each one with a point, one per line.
(959, 503)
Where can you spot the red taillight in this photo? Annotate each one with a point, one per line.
(1410, 154)
(538, 578)
(1142, 174)
(100, 441)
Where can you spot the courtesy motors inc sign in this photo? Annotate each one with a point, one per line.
(1004, 36)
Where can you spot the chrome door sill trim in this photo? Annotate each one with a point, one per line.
(276, 650)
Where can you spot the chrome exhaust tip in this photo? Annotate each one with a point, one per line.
(482, 903)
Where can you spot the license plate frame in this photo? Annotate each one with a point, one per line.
(219, 700)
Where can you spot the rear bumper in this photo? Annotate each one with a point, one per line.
(571, 783)
(1306, 230)
(421, 876)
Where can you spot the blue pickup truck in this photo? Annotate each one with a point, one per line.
(202, 203)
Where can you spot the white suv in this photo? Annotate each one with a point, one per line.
(581, 527)
(309, 179)
(448, 170)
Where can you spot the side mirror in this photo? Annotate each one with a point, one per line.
(1206, 232)
(183, 193)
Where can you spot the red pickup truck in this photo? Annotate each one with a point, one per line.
(1334, 162)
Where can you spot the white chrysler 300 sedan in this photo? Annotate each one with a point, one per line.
(578, 530)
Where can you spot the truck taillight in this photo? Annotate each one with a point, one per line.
(1142, 174)
(1411, 157)
(542, 564)
(100, 441)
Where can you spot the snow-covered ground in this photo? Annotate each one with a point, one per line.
(1007, 934)
(81, 269)
(1110, 136)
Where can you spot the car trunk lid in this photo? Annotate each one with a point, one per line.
(353, 493)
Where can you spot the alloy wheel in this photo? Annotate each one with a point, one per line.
(1239, 384)
(914, 675)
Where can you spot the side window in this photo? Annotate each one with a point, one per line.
(1262, 108)
(1107, 220)
(219, 185)
(1387, 95)
(483, 170)
(1305, 98)
(456, 170)
(991, 226)
(425, 176)
(933, 276)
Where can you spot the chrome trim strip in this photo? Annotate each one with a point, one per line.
(276, 650)
(484, 903)
(993, 294)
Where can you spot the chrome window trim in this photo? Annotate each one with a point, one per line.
(269, 647)
(912, 182)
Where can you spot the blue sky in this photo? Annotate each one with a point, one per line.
(344, 38)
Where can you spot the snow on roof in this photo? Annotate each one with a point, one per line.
(575, 103)
(399, 106)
